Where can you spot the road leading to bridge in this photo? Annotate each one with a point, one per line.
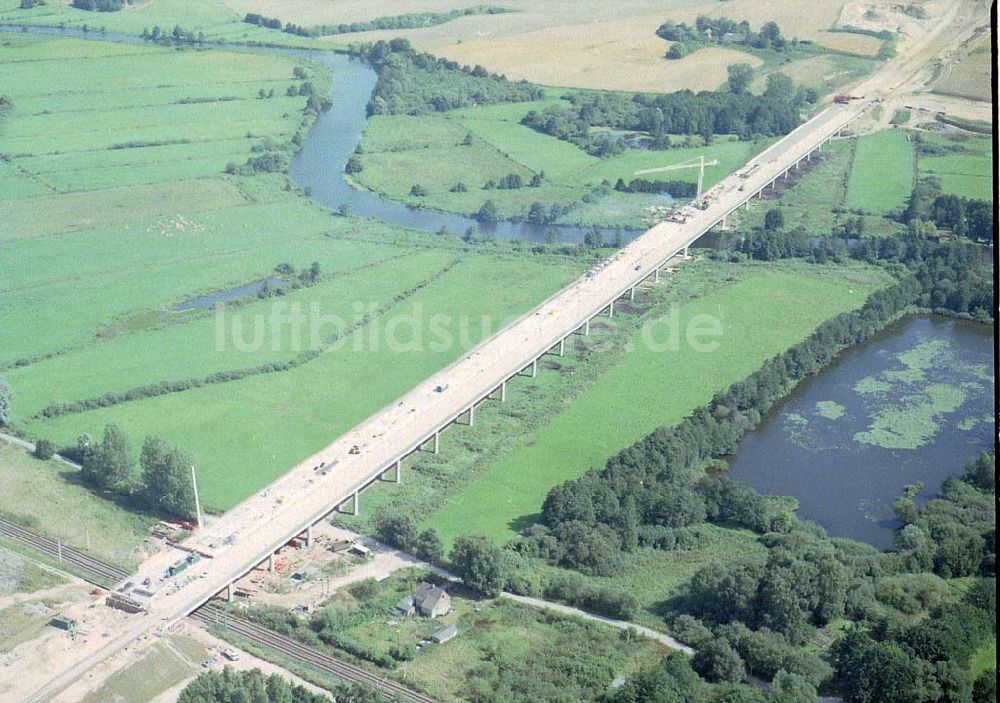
(251, 532)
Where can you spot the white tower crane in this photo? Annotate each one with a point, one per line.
(698, 163)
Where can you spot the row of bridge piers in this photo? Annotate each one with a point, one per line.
(432, 443)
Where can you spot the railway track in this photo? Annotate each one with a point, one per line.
(90, 569)
(106, 575)
(260, 635)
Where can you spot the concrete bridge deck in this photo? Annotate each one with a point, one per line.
(250, 533)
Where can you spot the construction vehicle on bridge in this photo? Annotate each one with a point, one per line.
(844, 98)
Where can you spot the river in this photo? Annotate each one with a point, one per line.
(911, 405)
(319, 167)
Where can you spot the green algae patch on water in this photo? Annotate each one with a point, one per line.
(911, 423)
(830, 409)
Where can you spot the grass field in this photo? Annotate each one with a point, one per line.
(650, 388)
(265, 424)
(159, 225)
(21, 575)
(882, 174)
(214, 19)
(41, 494)
(541, 646)
(401, 151)
(161, 667)
(970, 76)
(968, 174)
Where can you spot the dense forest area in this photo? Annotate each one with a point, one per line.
(412, 83)
(733, 110)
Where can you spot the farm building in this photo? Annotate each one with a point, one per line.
(445, 634)
(429, 600)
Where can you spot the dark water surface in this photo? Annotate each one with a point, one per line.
(911, 405)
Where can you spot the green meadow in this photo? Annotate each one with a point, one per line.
(968, 172)
(651, 387)
(120, 210)
(214, 20)
(401, 151)
(882, 172)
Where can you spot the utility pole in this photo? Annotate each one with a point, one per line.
(197, 503)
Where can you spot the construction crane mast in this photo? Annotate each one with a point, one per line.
(698, 163)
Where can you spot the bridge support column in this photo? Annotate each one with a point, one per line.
(355, 507)
(785, 174)
(725, 221)
(472, 415)
(309, 536)
(631, 293)
(611, 309)
(437, 442)
(229, 593)
(503, 392)
(562, 347)
(270, 562)
(746, 205)
(534, 368)
(398, 471)
(586, 328)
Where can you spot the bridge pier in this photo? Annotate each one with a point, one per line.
(397, 472)
(229, 593)
(611, 309)
(586, 328)
(472, 415)
(562, 347)
(437, 442)
(270, 562)
(656, 275)
(746, 204)
(309, 536)
(354, 504)
(534, 368)
(503, 392)
(631, 293)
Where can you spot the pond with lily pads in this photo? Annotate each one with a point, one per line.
(911, 405)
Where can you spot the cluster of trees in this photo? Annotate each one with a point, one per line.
(230, 686)
(925, 661)
(412, 83)
(649, 491)
(6, 397)
(954, 276)
(721, 30)
(733, 111)
(677, 189)
(100, 5)
(964, 217)
(401, 531)
(410, 20)
(952, 535)
(178, 35)
(28, 4)
(164, 484)
(6, 108)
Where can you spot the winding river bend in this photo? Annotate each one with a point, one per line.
(319, 167)
(911, 405)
